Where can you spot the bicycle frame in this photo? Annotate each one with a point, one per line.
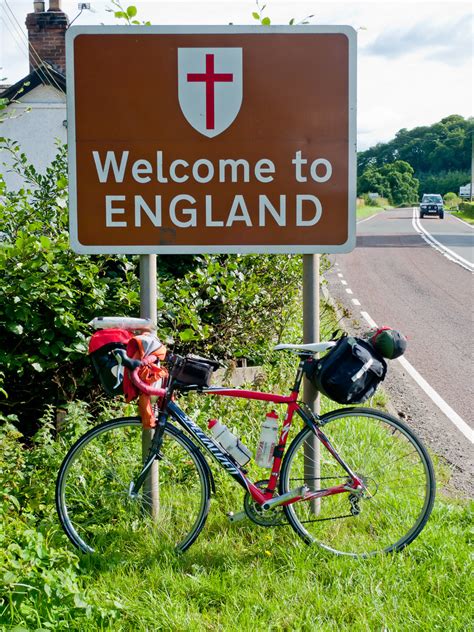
(239, 474)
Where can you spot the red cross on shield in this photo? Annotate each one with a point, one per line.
(210, 87)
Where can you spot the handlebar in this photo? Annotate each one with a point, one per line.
(135, 366)
(146, 388)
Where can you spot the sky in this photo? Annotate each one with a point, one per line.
(414, 59)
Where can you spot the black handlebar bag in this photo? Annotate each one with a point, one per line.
(350, 373)
(194, 370)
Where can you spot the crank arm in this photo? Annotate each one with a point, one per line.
(236, 517)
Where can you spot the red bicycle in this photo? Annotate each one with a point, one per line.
(371, 489)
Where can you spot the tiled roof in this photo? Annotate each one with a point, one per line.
(42, 75)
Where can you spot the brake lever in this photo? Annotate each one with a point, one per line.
(122, 358)
(120, 370)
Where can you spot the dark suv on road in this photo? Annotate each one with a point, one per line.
(432, 204)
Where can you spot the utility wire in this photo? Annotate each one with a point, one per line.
(14, 37)
(45, 65)
(23, 48)
(41, 67)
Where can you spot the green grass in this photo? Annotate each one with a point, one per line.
(250, 578)
(467, 215)
(367, 211)
(238, 577)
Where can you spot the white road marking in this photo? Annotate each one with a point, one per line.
(355, 301)
(434, 243)
(429, 390)
(462, 221)
(361, 221)
(340, 275)
(343, 282)
(371, 322)
(349, 291)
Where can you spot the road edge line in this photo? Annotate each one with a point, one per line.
(435, 397)
(437, 245)
(366, 219)
(461, 220)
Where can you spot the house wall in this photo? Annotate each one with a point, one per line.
(35, 130)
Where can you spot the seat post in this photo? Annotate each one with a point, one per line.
(300, 373)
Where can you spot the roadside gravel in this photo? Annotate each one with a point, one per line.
(407, 402)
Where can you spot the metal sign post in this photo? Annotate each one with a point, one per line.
(311, 333)
(151, 488)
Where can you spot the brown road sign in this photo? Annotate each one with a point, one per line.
(211, 139)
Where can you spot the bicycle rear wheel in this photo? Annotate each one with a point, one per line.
(398, 477)
(93, 499)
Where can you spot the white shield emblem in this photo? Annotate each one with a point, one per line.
(210, 87)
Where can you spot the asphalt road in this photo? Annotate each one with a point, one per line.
(416, 276)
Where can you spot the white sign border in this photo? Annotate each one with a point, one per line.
(79, 248)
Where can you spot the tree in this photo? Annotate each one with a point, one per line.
(440, 154)
(394, 181)
(443, 146)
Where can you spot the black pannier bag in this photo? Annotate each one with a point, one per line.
(106, 367)
(350, 373)
(195, 371)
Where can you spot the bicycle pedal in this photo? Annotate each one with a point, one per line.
(236, 517)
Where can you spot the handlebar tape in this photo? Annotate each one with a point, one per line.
(146, 388)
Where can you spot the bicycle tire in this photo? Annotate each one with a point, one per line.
(396, 469)
(93, 501)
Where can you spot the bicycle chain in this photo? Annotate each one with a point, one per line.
(355, 510)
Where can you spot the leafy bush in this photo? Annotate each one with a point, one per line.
(39, 574)
(227, 306)
(48, 294)
(451, 200)
(369, 201)
(231, 306)
(466, 210)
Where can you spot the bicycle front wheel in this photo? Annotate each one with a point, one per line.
(396, 471)
(96, 504)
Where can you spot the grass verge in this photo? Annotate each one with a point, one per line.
(467, 216)
(367, 211)
(238, 577)
(235, 577)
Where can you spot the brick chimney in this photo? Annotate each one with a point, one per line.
(46, 32)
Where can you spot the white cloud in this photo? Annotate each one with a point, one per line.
(448, 42)
(414, 60)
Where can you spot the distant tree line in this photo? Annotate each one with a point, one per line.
(439, 156)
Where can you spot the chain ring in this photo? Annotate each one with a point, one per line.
(256, 514)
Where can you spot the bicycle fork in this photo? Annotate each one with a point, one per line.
(153, 453)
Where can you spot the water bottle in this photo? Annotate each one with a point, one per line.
(229, 442)
(268, 440)
(120, 322)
